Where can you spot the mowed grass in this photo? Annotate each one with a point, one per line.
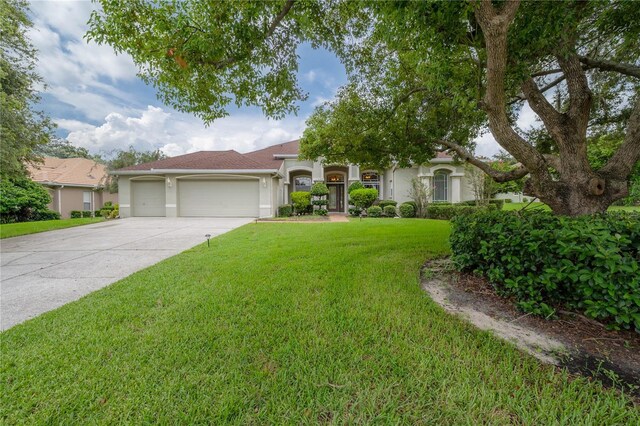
(24, 228)
(284, 323)
(541, 206)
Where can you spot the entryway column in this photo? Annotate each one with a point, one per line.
(456, 188)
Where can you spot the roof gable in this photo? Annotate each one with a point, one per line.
(69, 171)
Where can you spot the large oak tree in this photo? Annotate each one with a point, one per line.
(422, 76)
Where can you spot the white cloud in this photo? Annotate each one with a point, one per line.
(486, 144)
(175, 134)
(75, 71)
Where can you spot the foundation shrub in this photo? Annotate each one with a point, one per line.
(389, 210)
(407, 210)
(589, 264)
(374, 211)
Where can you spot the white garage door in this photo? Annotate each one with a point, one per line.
(219, 198)
(148, 198)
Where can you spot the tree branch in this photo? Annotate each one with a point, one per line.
(497, 175)
(551, 118)
(272, 28)
(495, 25)
(579, 92)
(603, 65)
(622, 162)
(551, 85)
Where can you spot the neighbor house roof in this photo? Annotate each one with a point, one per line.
(68, 171)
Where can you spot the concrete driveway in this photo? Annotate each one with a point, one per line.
(41, 272)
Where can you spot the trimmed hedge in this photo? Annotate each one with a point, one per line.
(87, 213)
(285, 210)
(46, 215)
(389, 211)
(363, 198)
(76, 214)
(407, 210)
(385, 203)
(319, 189)
(589, 263)
(449, 211)
(301, 201)
(374, 211)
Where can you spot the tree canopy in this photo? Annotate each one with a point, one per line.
(423, 76)
(22, 128)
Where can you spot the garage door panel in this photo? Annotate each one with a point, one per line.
(218, 198)
(148, 198)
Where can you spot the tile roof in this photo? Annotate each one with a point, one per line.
(202, 160)
(69, 171)
(261, 159)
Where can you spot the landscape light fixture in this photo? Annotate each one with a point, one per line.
(208, 236)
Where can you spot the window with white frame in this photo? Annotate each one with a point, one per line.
(302, 183)
(371, 180)
(86, 200)
(441, 186)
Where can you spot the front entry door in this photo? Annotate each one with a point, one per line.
(336, 198)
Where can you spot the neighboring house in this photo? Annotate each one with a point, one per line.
(227, 183)
(74, 184)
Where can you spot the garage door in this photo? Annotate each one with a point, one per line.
(218, 198)
(148, 198)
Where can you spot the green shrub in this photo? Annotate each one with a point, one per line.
(449, 211)
(321, 212)
(285, 210)
(497, 202)
(319, 189)
(589, 263)
(87, 213)
(46, 215)
(321, 202)
(21, 200)
(507, 200)
(76, 214)
(354, 211)
(97, 213)
(301, 201)
(374, 211)
(385, 203)
(115, 213)
(363, 198)
(407, 210)
(464, 203)
(389, 211)
(355, 185)
(105, 212)
(107, 205)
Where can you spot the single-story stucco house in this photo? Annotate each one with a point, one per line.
(254, 184)
(73, 183)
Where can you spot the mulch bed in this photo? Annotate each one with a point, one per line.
(595, 351)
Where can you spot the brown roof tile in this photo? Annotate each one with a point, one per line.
(68, 171)
(266, 155)
(202, 160)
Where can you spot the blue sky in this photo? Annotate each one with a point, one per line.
(99, 103)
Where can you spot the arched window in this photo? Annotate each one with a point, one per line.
(371, 180)
(335, 178)
(302, 183)
(441, 186)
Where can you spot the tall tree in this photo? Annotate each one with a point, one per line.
(422, 76)
(61, 148)
(22, 128)
(119, 159)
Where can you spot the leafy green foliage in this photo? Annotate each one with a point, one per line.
(355, 185)
(75, 214)
(385, 203)
(62, 148)
(449, 211)
(587, 263)
(22, 200)
(319, 189)
(23, 129)
(46, 215)
(374, 211)
(407, 210)
(285, 210)
(301, 201)
(389, 210)
(363, 198)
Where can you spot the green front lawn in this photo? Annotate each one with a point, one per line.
(24, 228)
(308, 323)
